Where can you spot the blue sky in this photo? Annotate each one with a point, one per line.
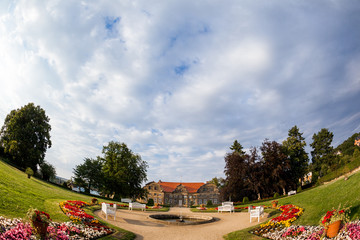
(179, 81)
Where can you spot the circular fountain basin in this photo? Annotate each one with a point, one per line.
(173, 219)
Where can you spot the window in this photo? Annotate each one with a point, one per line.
(200, 202)
(215, 201)
(154, 194)
(155, 200)
(149, 187)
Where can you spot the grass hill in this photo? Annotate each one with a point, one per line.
(317, 201)
(18, 193)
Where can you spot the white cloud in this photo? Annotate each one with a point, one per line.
(178, 82)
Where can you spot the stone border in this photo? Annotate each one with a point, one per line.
(158, 218)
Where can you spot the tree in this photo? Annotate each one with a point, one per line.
(89, 175)
(29, 172)
(295, 150)
(276, 167)
(47, 171)
(322, 153)
(235, 172)
(219, 182)
(25, 135)
(236, 147)
(124, 171)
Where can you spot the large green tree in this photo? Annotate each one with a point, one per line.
(322, 153)
(89, 175)
(124, 171)
(25, 136)
(294, 147)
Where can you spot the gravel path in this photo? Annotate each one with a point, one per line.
(145, 228)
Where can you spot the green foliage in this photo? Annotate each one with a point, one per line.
(276, 195)
(150, 202)
(348, 147)
(124, 171)
(89, 175)
(236, 147)
(47, 171)
(209, 203)
(25, 135)
(29, 172)
(245, 199)
(294, 147)
(322, 154)
(299, 189)
(219, 182)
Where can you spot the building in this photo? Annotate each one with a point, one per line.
(182, 194)
(357, 141)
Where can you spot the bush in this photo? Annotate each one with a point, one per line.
(299, 189)
(150, 202)
(29, 172)
(209, 203)
(276, 195)
(245, 199)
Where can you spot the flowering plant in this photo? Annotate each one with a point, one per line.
(274, 202)
(38, 216)
(335, 215)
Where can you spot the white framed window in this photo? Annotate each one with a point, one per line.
(200, 202)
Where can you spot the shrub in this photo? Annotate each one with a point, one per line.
(276, 195)
(299, 189)
(209, 203)
(245, 199)
(150, 202)
(29, 172)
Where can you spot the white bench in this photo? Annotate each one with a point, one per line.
(226, 206)
(137, 205)
(126, 200)
(292, 193)
(257, 212)
(108, 210)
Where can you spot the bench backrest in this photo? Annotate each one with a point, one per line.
(126, 200)
(228, 204)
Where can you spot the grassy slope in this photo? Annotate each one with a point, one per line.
(317, 201)
(18, 194)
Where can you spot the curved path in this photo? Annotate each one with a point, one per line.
(146, 228)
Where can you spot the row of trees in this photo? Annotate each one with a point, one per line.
(275, 167)
(25, 138)
(119, 171)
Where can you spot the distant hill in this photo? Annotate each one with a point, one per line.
(348, 147)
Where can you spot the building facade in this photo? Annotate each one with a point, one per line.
(182, 194)
(357, 141)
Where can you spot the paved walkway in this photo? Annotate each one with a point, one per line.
(145, 228)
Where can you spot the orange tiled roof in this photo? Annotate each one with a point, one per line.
(190, 187)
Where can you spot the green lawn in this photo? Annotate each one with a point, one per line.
(18, 194)
(316, 202)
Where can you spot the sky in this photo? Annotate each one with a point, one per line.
(179, 81)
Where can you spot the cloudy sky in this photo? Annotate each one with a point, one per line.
(179, 81)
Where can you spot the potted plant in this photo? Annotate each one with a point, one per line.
(333, 219)
(94, 201)
(274, 203)
(39, 221)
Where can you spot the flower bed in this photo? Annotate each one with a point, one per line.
(289, 214)
(91, 226)
(280, 227)
(82, 225)
(350, 231)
